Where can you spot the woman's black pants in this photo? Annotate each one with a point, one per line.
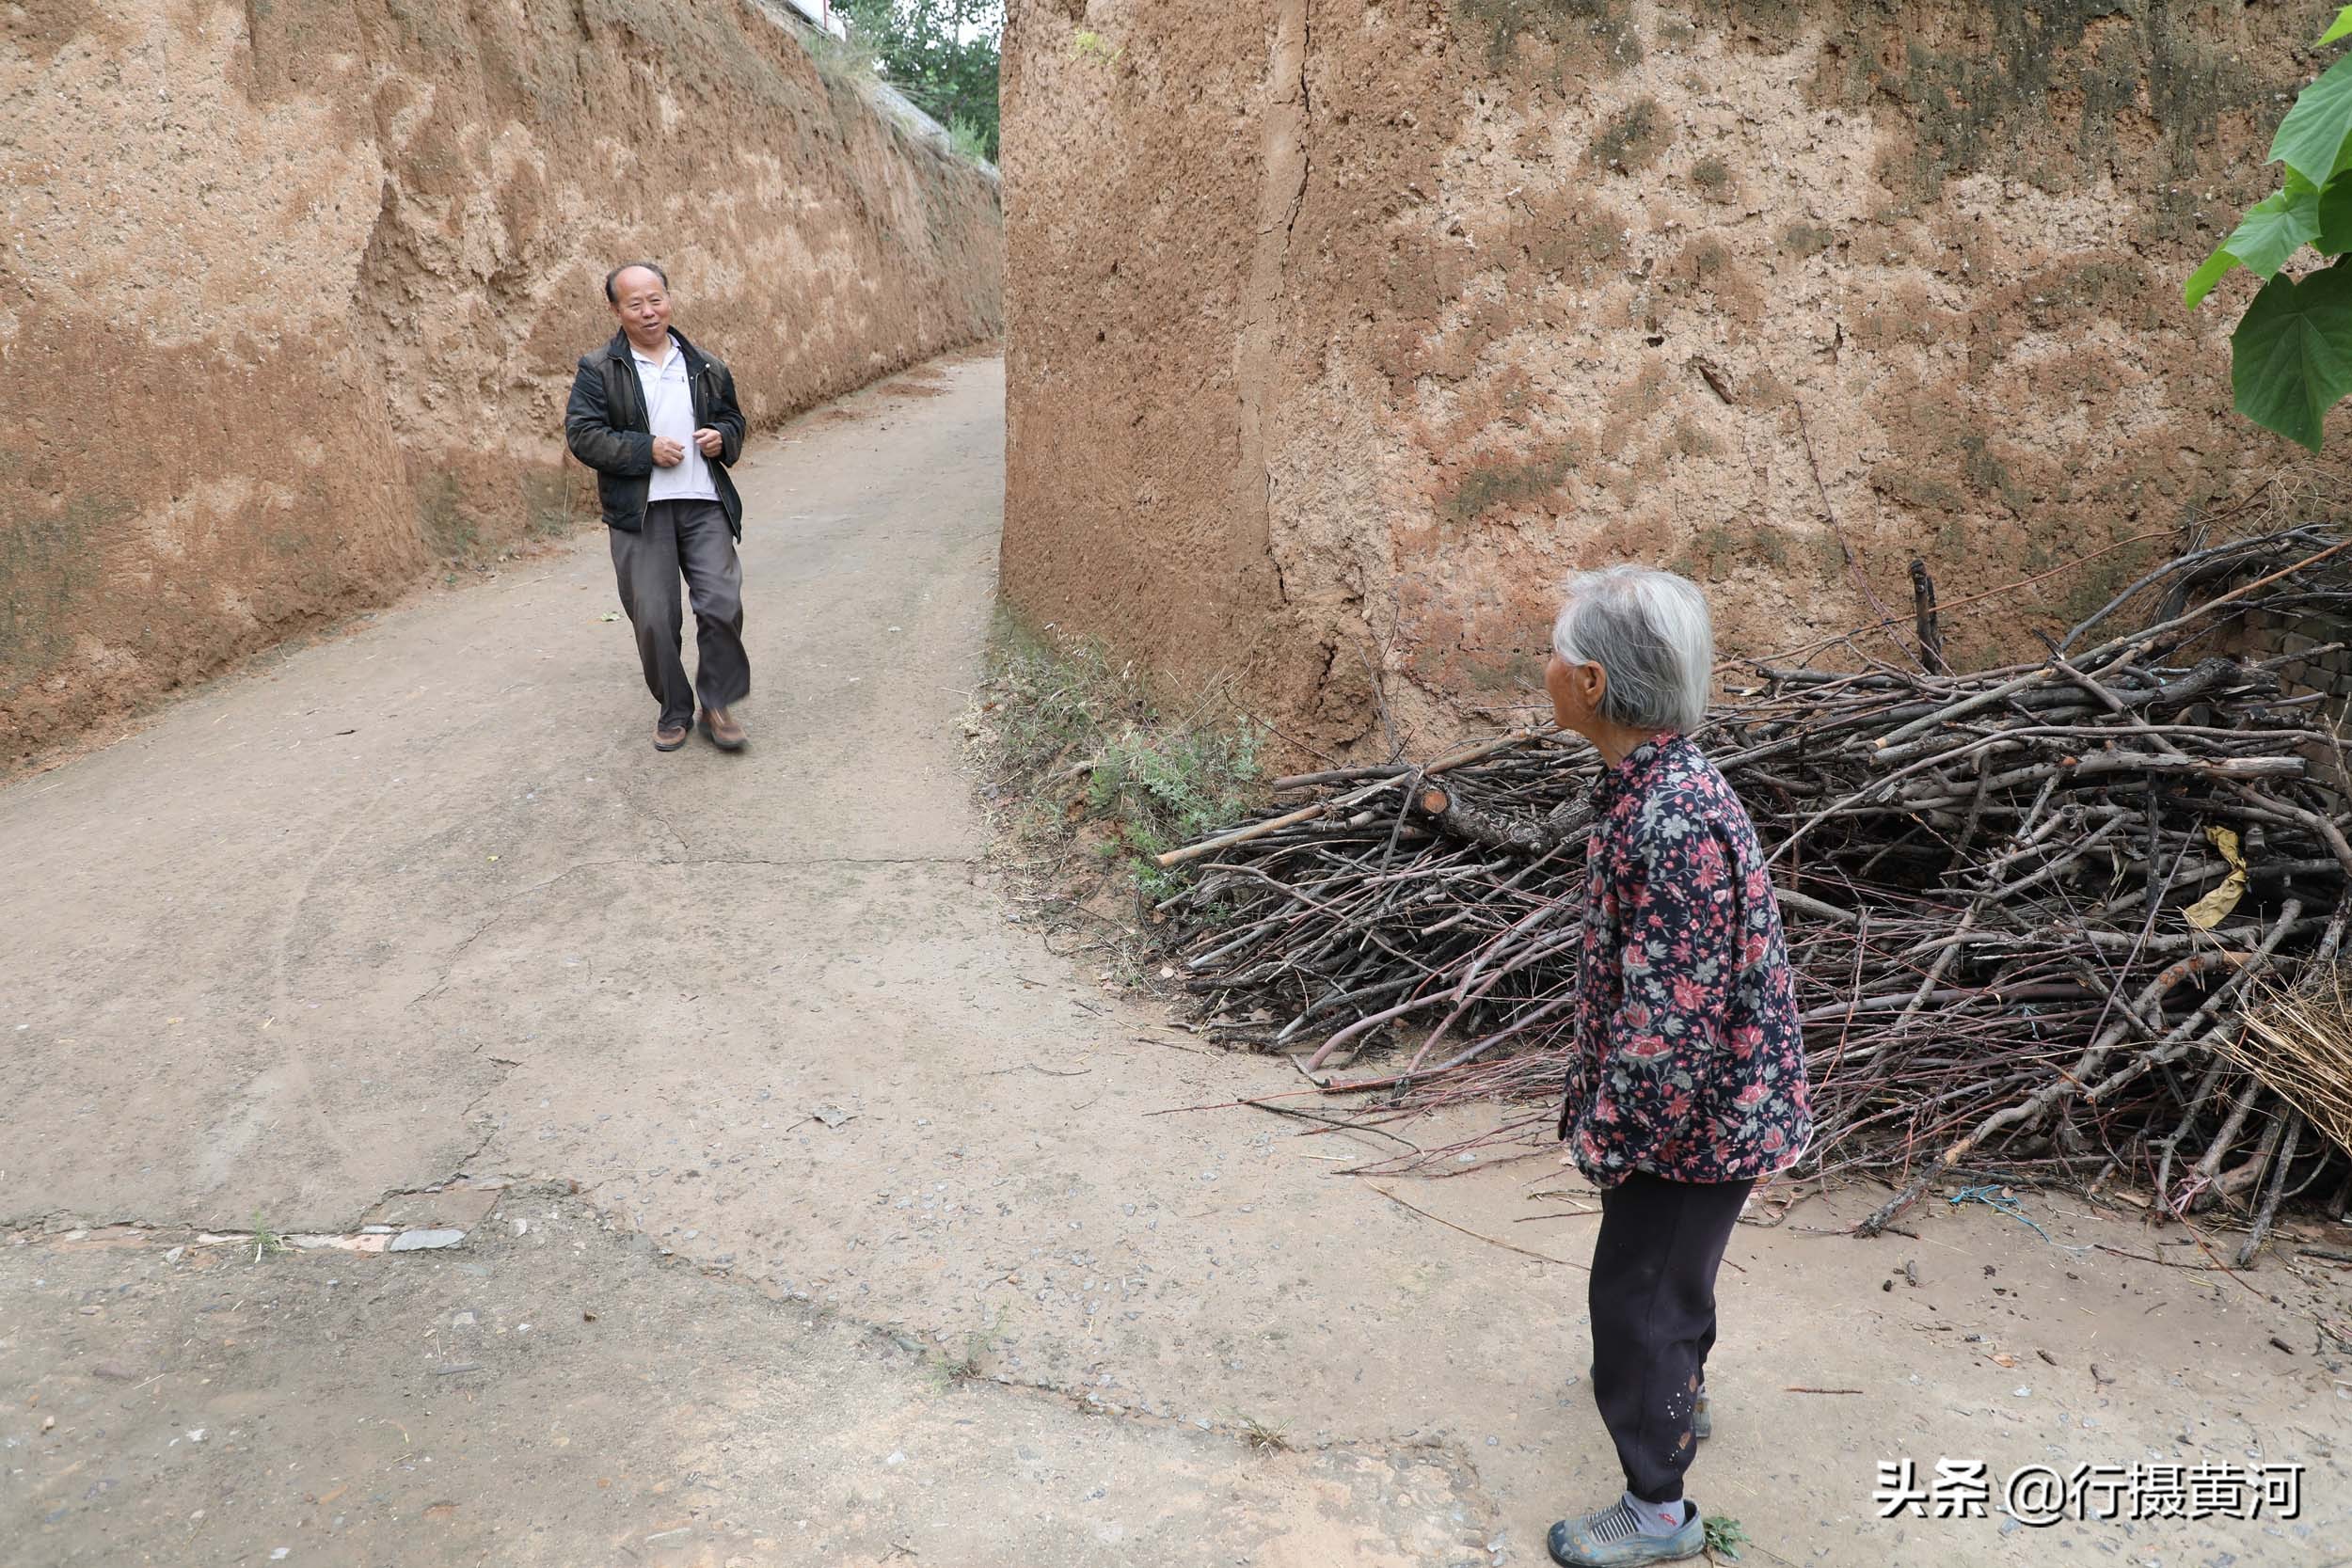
(1653, 1302)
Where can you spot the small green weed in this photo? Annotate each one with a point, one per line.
(1073, 741)
(445, 519)
(549, 504)
(1263, 1438)
(1507, 480)
(265, 1240)
(1045, 705)
(847, 65)
(1725, 1536)
(952, 1371)
(1168, 789)
(969, 137)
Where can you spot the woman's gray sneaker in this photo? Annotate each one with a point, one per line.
(1612, 1538)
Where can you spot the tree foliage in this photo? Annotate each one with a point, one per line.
(2291, 355)
(942, 54)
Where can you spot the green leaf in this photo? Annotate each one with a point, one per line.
(2272, 230)
(2217, 266)
(2316, 127)
(2291, 356)
(2275, 228)
(2335, 218)
(2341, 27)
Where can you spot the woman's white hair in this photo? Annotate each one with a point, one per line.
(1651, 631)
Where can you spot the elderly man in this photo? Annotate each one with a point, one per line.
(1687, 1082)
(657, 419)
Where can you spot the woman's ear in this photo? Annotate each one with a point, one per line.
(1592, 685)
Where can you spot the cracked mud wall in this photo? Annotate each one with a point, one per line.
(1339, 333)
(292, 290)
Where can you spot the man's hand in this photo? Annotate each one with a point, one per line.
(668, 453)
(709, 441)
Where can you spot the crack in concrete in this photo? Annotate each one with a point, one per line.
(59, 1220)
(684, 848)
(489, 1132)
(800, 862)
(934, 1359)
(505, 905)
(1244, 1433)
(63, 1220)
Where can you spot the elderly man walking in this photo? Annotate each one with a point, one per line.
(1687, 1082)
(656, 417)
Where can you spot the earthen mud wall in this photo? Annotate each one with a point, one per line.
(1339, 333)
(291, 292)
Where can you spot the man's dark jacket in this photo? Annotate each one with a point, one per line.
(607, 426)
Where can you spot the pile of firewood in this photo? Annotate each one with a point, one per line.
(2031, 910)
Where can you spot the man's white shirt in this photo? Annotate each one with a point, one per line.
(670, 411)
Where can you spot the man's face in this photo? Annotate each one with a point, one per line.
(641, 300)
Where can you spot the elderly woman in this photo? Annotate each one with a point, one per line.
(1687, 1082)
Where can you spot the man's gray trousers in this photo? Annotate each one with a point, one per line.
(688, 541)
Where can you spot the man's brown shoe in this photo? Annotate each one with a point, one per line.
(724, 732)
(669, 738)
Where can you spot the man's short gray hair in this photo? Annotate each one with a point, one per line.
(611, 295)
(1651, 631)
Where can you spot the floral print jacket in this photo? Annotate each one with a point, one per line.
(1689, 1062)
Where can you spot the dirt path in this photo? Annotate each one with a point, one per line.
(762, 1113)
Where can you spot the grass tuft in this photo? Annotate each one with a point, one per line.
(969, 138)
(1081, 751)
(847, 65)
(1263, 1438)
(953, 1372)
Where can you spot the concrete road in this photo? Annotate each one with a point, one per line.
(421, 906)
(850, 1223)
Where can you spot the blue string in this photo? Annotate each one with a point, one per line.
(1992, 1198)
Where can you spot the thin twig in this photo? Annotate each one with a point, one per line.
(1474, 1235)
